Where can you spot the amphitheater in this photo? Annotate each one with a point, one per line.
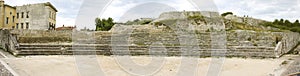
(172, 36)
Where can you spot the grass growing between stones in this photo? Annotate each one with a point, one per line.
(43, 39)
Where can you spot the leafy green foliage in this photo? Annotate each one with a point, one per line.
(287, 23)
(284, 25)
(226, 13)
(296, 23)
(104, 24)
(276, 21)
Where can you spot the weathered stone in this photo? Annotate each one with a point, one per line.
(239, 43)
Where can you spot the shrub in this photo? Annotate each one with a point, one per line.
(196, 17)
(104, 24)
(226, 13)
(295, 29)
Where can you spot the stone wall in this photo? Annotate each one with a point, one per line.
(42, 36)
(240, 43)
(247, 20)
(234, 38)
(289, 41)
(185, 14)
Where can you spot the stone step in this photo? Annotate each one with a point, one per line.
(106, 49)
(78, 48)
(159, 53)
(87, 46)
(145, 51)
(60, 45)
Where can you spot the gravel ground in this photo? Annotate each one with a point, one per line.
(68, 66)
(293, 67)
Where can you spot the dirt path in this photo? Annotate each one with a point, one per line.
(67, 66)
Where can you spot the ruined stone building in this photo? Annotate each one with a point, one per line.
(40, 16)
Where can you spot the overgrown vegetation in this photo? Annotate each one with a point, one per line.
(226, 13)
(197, 17)
(284, 25)
(44, 39)
(158, 24)
(139, 22)
(104, 24)
(168, 23)
(244, 26)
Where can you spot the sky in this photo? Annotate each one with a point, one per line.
(83, 12)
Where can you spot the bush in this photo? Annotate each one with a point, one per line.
(138, 22)
(295, 29)
(104, 24)
(274, 25)
(158, 23)
(226, 13)
(196, 17)
(284, 25)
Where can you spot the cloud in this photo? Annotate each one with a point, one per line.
(136, 8)
(73, 12)
(263, 9)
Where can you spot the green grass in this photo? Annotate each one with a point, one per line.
(243, 26)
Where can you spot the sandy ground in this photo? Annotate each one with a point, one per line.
(91, 65)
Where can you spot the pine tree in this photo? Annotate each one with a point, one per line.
(276, 21)
(281, 22)
(296, 23)
(287, 23)
(226, 13)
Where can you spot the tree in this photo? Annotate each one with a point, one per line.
(103, 24)
(99, 24)
(276, 21)
(284, 25)
(287, 23)
(136, 20)
(296, 23)
(226, 13)
(281, 22)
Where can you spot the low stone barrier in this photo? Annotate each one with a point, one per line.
(240, 43)
(100, 49)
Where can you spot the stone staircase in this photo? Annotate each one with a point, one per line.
(101, 49)
(141, 43)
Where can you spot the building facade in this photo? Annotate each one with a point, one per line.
(40, 16)
(7, 16)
